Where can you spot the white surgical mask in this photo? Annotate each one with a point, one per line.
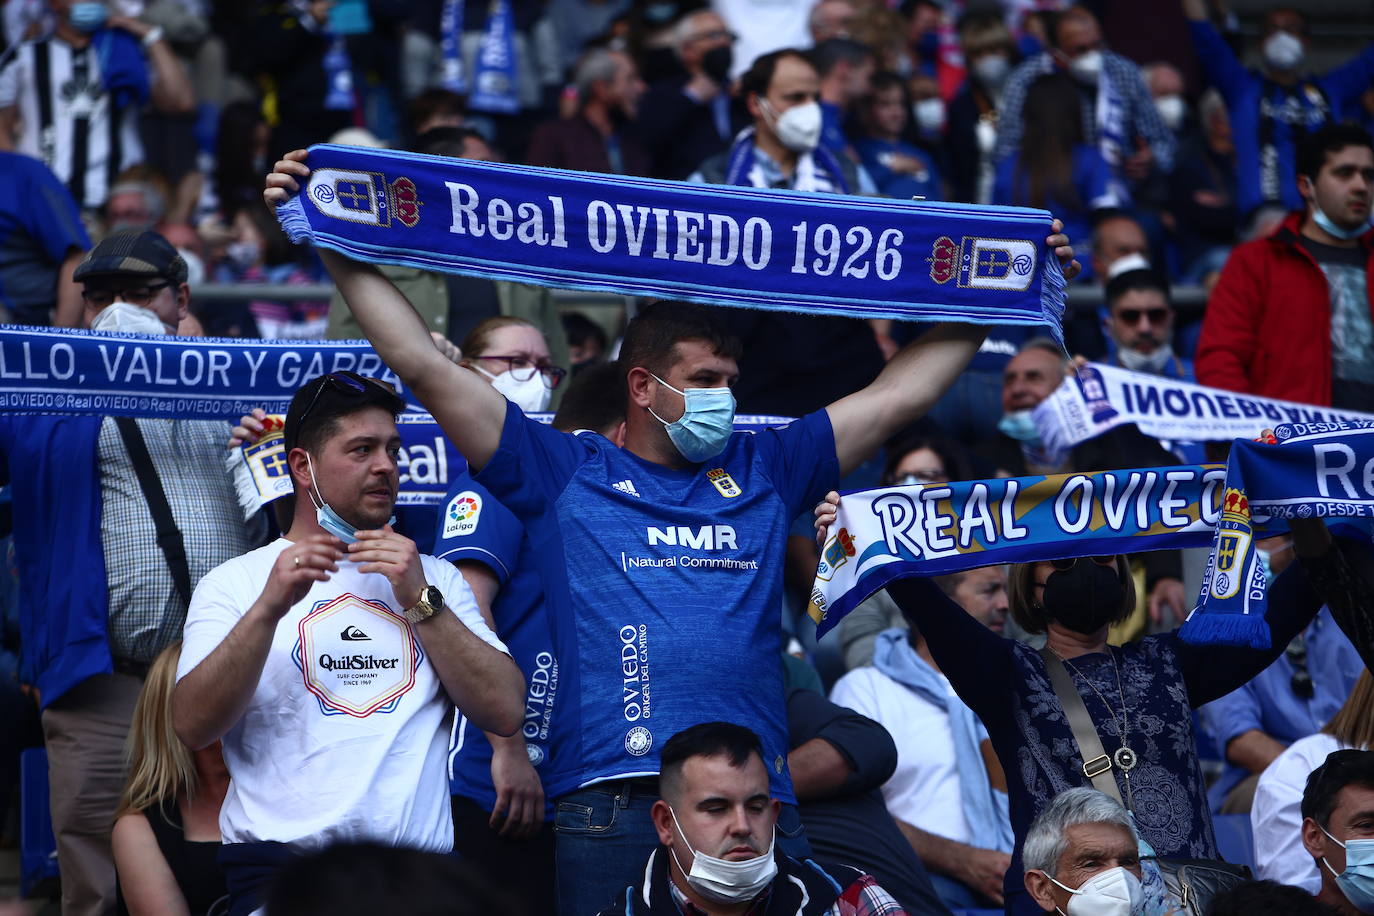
(1171, 110)
(1154, 361)
(122, 317)
(929, 114)
(1283, 51)
(724, 881)
(992, 70)
(531, 395)
(1087, 66)
(1114, 892)
(798, 128)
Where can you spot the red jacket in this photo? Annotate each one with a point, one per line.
(1267, 328)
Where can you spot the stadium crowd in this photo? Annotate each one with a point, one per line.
(337, 701)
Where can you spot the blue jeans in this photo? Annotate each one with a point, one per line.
(603, 835)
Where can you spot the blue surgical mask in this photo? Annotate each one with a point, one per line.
(1357, 881)
(1020, 425)
(1321, 219)
(87, 17)
(325, 515)
(707, 420)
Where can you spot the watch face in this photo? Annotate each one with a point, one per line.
(432, 596)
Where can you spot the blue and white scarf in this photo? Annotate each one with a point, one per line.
(1319, 470)
(738, 246)
(1099, 397)
(985, 808)
(817, 170)
(495, 87)
(935, 529)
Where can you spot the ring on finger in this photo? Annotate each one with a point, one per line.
(296, 561)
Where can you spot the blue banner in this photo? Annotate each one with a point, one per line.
(754, 248)
(86, 373)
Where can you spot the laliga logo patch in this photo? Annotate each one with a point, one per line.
(724, 483)
(1007, 265)
(638, 740)
(462, 514)
(1233, 545)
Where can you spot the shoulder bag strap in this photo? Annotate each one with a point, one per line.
(169, 538)
(1097, 766)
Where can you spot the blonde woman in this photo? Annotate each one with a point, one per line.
(166, 831)
(1276, 815)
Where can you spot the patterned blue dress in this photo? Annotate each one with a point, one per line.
(1162, 680)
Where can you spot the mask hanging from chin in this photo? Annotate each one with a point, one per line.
(1085, 597)
(328, 519)
(723, 880)
(1154, 361)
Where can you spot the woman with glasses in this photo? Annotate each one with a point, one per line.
(501, 787)
(1139, 697)
(513, 355)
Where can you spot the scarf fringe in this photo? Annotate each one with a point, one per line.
(1244, 630)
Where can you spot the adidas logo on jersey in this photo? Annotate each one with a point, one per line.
(626, 486)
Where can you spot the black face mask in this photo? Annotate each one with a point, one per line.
(1083, 598)
(716, 63)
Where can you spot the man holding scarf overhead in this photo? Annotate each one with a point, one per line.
(662, 560)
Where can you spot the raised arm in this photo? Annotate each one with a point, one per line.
(468, 410)
(213, 695)
(915, 378)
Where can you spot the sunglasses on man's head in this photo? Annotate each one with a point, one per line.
(344, 384)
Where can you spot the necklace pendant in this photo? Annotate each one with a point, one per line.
(1125, 759)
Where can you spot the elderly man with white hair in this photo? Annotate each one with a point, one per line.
(1082, 856)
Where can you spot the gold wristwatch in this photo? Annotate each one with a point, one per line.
(431, 602)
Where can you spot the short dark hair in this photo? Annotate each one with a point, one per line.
(322, 402)
(447, 141)
(595, 399)
(1142, 279)
(431, 103)
(759, 76)
(1266, 898)
(581, 329)
(832, 52)
(1341, 769)
(653, 334)
(1329, 138)
(951, 453)
(371, 877)
(708, 739)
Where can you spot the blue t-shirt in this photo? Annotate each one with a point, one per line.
(875, 155)
(474, 526)
(39, 226)
(663, 586)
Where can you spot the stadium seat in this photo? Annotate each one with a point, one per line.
(37, 847)
(1235, 839)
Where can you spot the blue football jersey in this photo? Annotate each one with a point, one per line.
(664, 586)
(473, 525)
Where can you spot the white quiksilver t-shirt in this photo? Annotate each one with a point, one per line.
(346, 733)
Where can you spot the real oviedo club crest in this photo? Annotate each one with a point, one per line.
(365, 197)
